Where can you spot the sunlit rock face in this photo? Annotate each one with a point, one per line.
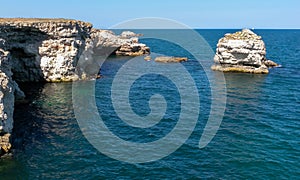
(127, 43)
(243, 51)
(44, 49)
(51, 50)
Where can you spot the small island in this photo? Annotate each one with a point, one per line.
(243, 51)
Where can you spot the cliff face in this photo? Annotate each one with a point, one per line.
(50, 50)
(7, 89)
(44, 50)
(243, 51)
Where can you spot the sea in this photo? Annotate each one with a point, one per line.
(256, 134)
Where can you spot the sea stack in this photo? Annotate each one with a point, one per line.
(243, 51)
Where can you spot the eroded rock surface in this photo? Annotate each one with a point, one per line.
(243, 51)
(44, 49)
(51, 50)
(127, 44)
(7, 98)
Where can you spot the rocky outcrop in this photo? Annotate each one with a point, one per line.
(127, 44)
(44, 49)
(51, 50)
(167, 59)
(7, 89)
(271, 64)
(129, 34)
(5, 145)
(243, 51)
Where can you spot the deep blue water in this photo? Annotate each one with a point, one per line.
(259, 137)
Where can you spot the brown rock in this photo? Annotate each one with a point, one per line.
(147, 58)
(241, 69)
(167, 59)
(270, 63)
(5, 145)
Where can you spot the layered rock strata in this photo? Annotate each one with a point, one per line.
(51, 50)
(243, 51)
(44, 49)
(127, 44)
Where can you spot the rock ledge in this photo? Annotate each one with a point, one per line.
(170, 59)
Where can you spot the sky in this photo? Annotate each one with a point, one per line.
(219, 14)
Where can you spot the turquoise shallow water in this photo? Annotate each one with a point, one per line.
(258, 138)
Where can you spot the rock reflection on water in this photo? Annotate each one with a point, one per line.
(44, 101)
(46, 134)
(243, 90)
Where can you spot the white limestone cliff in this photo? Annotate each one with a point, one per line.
(51, 50)
(126, 44)
(243, 51)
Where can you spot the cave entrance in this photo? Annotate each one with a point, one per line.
(25, 65)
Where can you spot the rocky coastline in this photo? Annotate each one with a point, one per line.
(62, 50)
(51, 50)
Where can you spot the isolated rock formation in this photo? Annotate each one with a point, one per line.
(168, 59)
(243, 51)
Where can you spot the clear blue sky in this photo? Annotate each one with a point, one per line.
(194, 13)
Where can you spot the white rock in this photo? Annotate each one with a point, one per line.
(240, 51)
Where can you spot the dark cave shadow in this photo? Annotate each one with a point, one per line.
(23, 44)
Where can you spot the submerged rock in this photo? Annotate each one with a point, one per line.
(167, 59)
(270, 63)
(147, 58)
(243, 51)
(129, 34)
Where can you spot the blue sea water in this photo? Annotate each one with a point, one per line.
(259, 137)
